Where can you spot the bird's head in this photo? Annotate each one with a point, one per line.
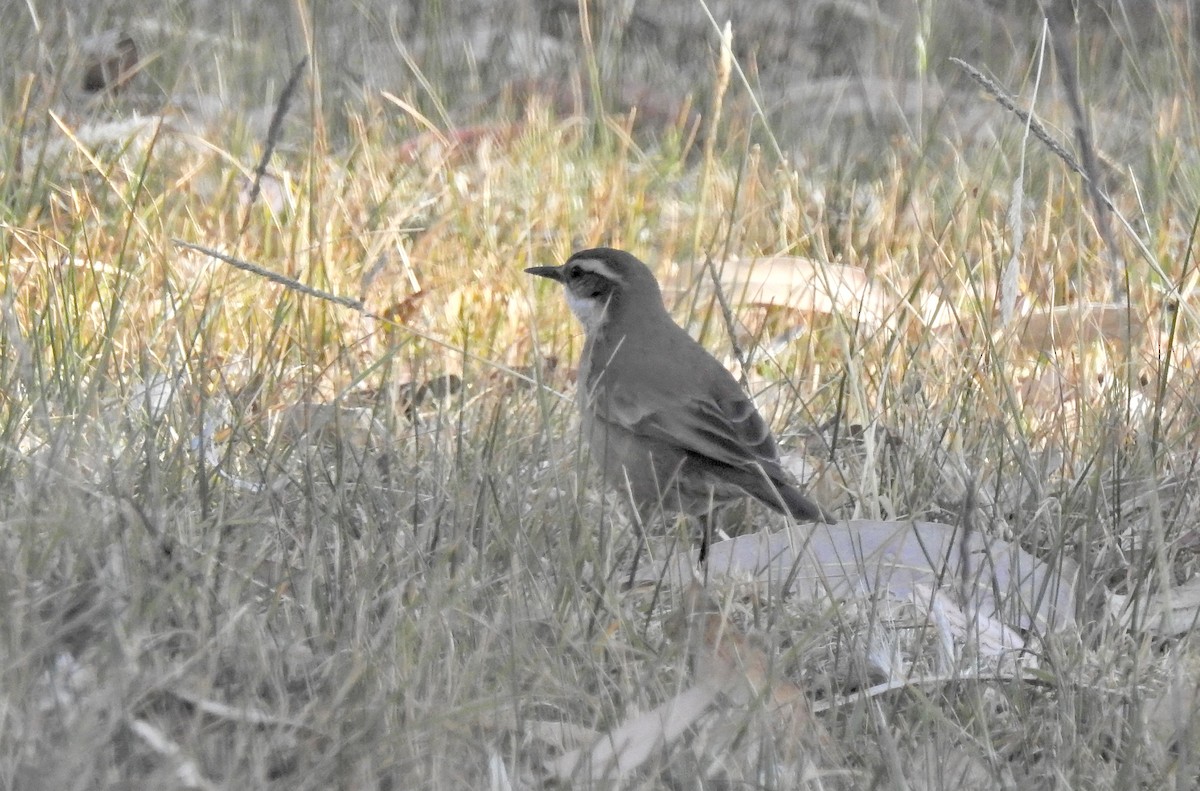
(602, 283)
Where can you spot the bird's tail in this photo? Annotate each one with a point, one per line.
(781, 495)
(799, 506)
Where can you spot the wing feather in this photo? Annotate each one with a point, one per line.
(726, 430)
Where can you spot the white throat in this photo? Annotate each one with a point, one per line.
(590, 312)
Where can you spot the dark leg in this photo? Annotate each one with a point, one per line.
(705, 536)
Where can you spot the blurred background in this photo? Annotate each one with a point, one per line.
(836, 73)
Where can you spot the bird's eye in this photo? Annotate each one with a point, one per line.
(572, 271)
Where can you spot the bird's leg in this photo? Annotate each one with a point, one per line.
(707, 520)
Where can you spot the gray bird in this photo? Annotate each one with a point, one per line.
(666, 422)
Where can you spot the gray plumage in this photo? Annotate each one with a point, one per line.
(664, 419)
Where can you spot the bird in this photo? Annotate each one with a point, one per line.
(663, 419)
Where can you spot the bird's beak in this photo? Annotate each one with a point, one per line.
(552, 272)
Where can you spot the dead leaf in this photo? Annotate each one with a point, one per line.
(805, 285)
(405, 310)
(328, 424)
(1071, 325)
(724, 657)
(728, 670)
(1170, 613)
(991, 578)
(628, 746)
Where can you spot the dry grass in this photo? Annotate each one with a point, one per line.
(238, 552)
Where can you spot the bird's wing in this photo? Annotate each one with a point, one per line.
(721, 427)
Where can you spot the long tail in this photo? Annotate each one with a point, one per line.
(799, 506)
(780, 495)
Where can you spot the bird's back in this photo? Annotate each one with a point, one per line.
(680, 392)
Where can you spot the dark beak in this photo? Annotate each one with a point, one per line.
(552, 272)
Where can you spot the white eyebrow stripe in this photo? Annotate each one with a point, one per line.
(598, 267)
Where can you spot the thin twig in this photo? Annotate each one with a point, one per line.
(1171, 285)
(1061, 18)
(275, 277)
(356, 305)
(281, 108)
(1039, 131)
